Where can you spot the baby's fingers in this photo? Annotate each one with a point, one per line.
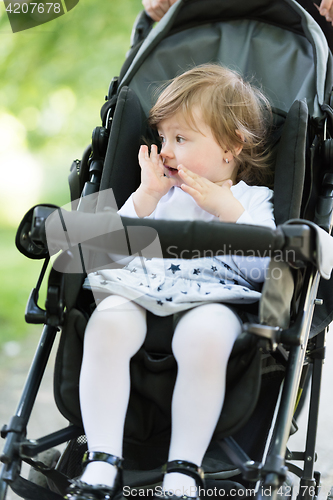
(143, 155)
(143, 152)
(155, 157)
(153, 151)
(185, 171)
(188, 176)
(192, 191)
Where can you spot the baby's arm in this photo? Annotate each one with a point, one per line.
(153, 185)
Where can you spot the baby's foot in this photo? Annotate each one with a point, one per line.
(100, 473)
(180, 485)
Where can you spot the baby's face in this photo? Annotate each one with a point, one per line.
(197, 149)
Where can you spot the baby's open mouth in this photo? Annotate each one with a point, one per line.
(171, 169)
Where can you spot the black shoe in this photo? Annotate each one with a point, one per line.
(189, 469)
(78, 490)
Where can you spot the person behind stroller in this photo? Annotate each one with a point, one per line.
(212, 127)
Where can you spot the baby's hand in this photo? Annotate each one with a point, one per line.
(153, 181)
(215, 199)
(153, 185)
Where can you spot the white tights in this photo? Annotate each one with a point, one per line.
(202, 343)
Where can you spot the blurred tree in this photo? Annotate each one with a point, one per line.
(53, 81)
(80, 51)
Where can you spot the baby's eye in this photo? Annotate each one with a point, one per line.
(180, 139)
(161, 138)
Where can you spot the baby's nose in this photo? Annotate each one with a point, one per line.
(166, 150)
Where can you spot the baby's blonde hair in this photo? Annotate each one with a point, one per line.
(237, 113)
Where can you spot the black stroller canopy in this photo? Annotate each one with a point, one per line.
(277, 40)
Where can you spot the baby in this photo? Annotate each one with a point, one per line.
(211, 167)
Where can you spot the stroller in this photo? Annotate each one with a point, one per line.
(278, 46)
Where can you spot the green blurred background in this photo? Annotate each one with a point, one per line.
(53, 80)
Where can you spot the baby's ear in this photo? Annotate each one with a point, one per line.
(239, 147)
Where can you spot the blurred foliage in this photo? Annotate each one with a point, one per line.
(53, 82)
(78, 53)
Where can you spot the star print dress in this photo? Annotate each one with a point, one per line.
(168, 286)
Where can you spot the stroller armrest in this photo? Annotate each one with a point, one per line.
(298, 242)
(196, 238)
(109, 233)
(199, 238)
(102, 232)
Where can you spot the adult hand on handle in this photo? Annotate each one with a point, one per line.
(157, 8)
(326, 9)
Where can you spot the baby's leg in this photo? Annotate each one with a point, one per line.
(202, 343)
(115, 332)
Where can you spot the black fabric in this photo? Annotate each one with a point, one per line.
(121, 170)
(68, 366)
(253, 435)
(290, 164)
(278, 12)
(243, 385)
(72, 288)
(159, 334)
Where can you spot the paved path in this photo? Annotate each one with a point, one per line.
(15, 364)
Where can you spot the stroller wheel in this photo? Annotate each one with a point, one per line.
(49, 458)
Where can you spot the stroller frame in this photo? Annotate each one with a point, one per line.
(271, 472)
